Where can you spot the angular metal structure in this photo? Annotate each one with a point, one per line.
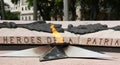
(51, 53)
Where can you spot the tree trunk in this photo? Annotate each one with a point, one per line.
(2, 10)
(73, 9)
(35, 9)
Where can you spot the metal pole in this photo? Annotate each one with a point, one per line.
(35, 9)
(2, 10)
(66, 9)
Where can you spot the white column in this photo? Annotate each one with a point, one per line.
(66, 9)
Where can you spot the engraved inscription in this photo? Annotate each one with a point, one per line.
(33, 40)
(102, 41)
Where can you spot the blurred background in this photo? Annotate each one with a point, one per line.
(59, 10)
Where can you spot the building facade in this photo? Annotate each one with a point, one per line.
(25, 12)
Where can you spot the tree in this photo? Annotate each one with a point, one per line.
(100, 9)
(89, 9)
(72, 9)
(48, 8)
(9, 15)
(52, 8)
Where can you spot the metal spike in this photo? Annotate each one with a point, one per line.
(55, 53)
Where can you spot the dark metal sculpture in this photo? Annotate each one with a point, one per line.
(37, 26)
(45, 27)
(116, 28)
(84, 29)
(56, 52)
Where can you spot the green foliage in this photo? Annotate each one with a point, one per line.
(48, 8)
(54, 8)
(9, 15)
(58, 1)
(12, 16)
